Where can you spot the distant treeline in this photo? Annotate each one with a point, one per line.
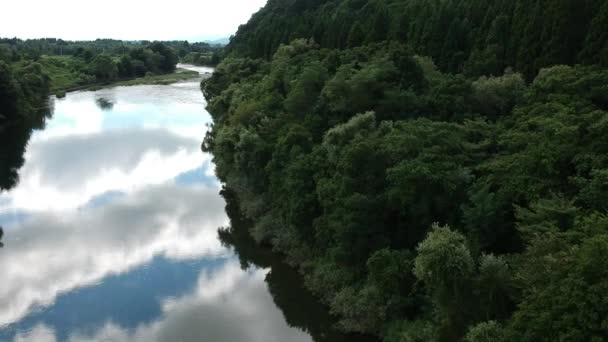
(437, 169)
(74, 64)
(71, 65)
(203, 58)
(33, 48)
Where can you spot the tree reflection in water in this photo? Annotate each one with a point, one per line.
(15, 134)
(104, 103)
(300, 308)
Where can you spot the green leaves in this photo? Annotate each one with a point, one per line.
(566, 301)
(104, 68)
(497, 96)
(443, 258)
(490, 331)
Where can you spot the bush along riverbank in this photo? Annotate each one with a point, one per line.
(424, 198)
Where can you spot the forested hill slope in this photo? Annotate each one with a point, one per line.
(426, 190)
(472, 36)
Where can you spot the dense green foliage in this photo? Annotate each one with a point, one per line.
(425, 202)
(138, 62)
(23, 107)
(472, 36)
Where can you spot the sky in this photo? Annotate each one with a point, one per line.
(193, 20)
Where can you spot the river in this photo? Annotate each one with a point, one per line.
(112, 233)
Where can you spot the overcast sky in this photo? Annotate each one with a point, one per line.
(125, 19)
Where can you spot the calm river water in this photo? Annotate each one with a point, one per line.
(112, 233)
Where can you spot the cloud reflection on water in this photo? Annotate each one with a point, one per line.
(106, 192)
(97, 194)
(227, 305)
(66, 172)
(52, 254)
(149, 136)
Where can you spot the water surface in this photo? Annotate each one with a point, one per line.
(111, 233)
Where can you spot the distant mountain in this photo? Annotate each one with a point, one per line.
(220, 41)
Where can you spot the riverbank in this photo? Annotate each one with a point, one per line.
(163, 79)
(69, 73)
(179, 75)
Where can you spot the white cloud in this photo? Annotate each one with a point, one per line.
(119, 19)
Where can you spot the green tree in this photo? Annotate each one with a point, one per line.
(125, 66)
(168, 58)
(444, 261)
(490, 331)
(104, 68)
(8, 100)
(445, 264)
(356, 35)
(566, 301)
(497, 96)
(595, 49)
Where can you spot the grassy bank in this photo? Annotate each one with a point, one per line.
(179, 75)
(66, 72)
(70, 74)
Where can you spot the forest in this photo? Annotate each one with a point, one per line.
(473, 37)
(437, 170)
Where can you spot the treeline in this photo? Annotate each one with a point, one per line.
(34, 48)
(423, 202)
(156, 58)
(474, 37)
(85, 66)
(203, 58)
(24, 106)
(75, 64)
